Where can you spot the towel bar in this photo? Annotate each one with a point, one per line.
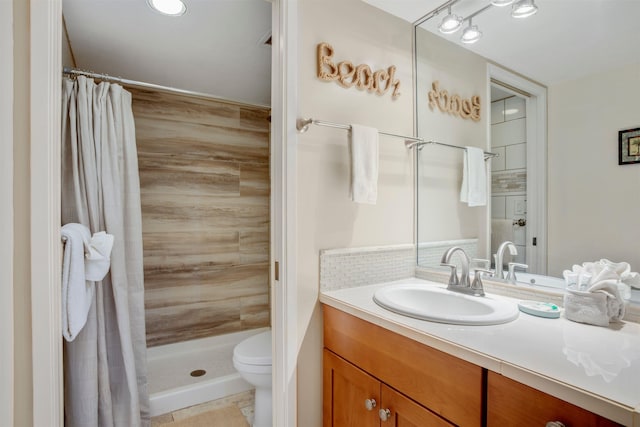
(410, 141)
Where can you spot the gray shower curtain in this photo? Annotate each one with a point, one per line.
(105, 366)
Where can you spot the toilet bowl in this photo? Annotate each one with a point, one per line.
(252, 360)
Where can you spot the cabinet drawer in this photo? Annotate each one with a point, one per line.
(448, 386)
(512, 403)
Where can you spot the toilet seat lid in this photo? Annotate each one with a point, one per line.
(255, 350)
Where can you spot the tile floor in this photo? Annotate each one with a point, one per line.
(243, 401)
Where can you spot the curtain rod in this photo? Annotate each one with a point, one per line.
(410, 141)
(127, 82)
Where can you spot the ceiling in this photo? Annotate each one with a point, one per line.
(215, 48)
(566, 39)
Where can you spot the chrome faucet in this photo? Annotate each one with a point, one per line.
(462, 285)
(499, 257)
(511, 275)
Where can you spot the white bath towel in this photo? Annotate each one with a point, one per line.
(364, 164)
(77, 292)
(474, 178)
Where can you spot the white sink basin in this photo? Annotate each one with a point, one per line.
(437, 304)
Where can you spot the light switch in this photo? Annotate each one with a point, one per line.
(521, 207)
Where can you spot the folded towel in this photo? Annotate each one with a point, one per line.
(364, 164)
(77, 292)
(474, 178)
(97, 261)
(599, 305)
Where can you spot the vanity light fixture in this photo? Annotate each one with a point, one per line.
(471, 34)
(450, 23)
(168, 7)
(501, 3)
(524, 9)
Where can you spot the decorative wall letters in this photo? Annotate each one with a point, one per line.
(454, 104)
(346, 74)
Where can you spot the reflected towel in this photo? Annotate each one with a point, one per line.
(474, 178)
(364, 164)
(77, 292)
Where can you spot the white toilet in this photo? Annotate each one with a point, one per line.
(252, 359)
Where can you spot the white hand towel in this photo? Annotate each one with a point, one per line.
(97, 261)
(77, 292)
(474, 178)
(364, 164)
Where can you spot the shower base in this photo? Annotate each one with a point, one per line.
(193, 372)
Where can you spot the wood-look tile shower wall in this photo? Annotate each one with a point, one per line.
(204, 183)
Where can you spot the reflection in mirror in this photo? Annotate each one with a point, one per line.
(589, 87)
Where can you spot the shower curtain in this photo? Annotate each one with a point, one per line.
(105, 366)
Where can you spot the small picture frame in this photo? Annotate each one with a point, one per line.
(629, 146)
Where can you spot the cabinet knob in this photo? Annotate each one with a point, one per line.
(370, 404)
(554, 424)
(384, 414)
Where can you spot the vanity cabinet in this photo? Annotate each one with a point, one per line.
(416, 382)
(354, 398)
(422, 386)
(512, 403)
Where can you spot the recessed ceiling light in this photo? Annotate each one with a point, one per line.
(168, 7)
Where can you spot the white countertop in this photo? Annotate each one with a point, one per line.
(592, 367)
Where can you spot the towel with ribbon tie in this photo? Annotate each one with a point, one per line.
(86, 259)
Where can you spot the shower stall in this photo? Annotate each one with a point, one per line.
(204, 175)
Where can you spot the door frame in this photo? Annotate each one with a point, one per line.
(536, 123)
(6, 210)
(45, 112)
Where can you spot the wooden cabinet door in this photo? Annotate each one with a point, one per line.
(345, 391)
(404, 412)
(510, 403)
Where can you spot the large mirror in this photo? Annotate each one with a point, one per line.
(556, 90)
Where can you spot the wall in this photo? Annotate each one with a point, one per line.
(67, 51)
(593, 202)
(326, 217)
(204, 184)
(21, 212)
(442, 215)
(509, 174)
